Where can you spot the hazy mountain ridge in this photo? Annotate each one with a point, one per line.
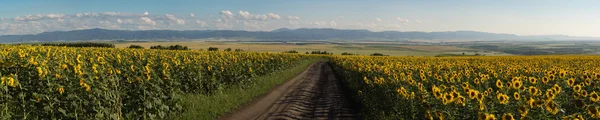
(283, 34)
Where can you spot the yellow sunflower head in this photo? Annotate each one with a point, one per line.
(571, 81)
(499, 84)
(594, 96)
(507, 116)
(517, 95)
(523, 110)
(551, 107)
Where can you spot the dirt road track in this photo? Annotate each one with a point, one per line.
(316, 93)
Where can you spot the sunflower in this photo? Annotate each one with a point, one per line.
(490, 117)
(584, 93)
(440, 115)
(428, 115)
(517, 84)
(502, 98)
(534, 91)
(507, 116)
(481, 106)
(593, 111)
(517, 95)
(455, 94)
(545, 80)
(531, 102)
(499, 84)
(550, 94)
(557, 88)
(552, 107)
(532, 80)
(480, 97)
(523, 110)
(460, 100)
(588, 81)
(448, 98)
(576, 95)
(472, 94)
(577, 88)
(570, 81)
(481, 116)
(594, 96)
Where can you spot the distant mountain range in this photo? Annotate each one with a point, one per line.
(283, 34)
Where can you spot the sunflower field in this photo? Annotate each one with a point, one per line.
(43, 82)
(512, 87)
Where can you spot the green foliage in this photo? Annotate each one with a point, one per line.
(213, 49)
(320, 52)
(291, 51)
(135, 47)
(99, 83)
(378, 54)
(81, 44)
(346, 53)
(172, 47)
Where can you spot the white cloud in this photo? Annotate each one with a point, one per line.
(402, 20)
(418, 21)
(378, 19)
(293, 18)
(147, 20)
(39, 17)
(273, 16)
(37, 23)
(201, 23)
(226, 14)
(248, 16)
(333, 23)
(174, 19)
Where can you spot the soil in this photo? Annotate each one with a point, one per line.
(315, 93)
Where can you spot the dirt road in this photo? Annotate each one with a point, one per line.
(316, 93)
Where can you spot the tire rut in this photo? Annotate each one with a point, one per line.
(316, 94)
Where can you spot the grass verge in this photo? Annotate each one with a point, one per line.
(206, 107)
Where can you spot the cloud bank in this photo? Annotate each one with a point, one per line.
(223, 20)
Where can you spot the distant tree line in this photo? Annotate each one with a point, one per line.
(378, 54)
(291, 51)
(81, 44)
(226, 49)
(346, 53)
(135, 47)
(172, 47)
(320, 52)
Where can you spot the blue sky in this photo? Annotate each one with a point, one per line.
(531, 17)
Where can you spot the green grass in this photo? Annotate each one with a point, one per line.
(206, 107)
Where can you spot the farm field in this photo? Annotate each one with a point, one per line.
(125, 83)
(356, 48)
(515, 87)
(40, 82)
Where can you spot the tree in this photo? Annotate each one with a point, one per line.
(227, 50)
(291, 51)
(213, 49)
(378, 54)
